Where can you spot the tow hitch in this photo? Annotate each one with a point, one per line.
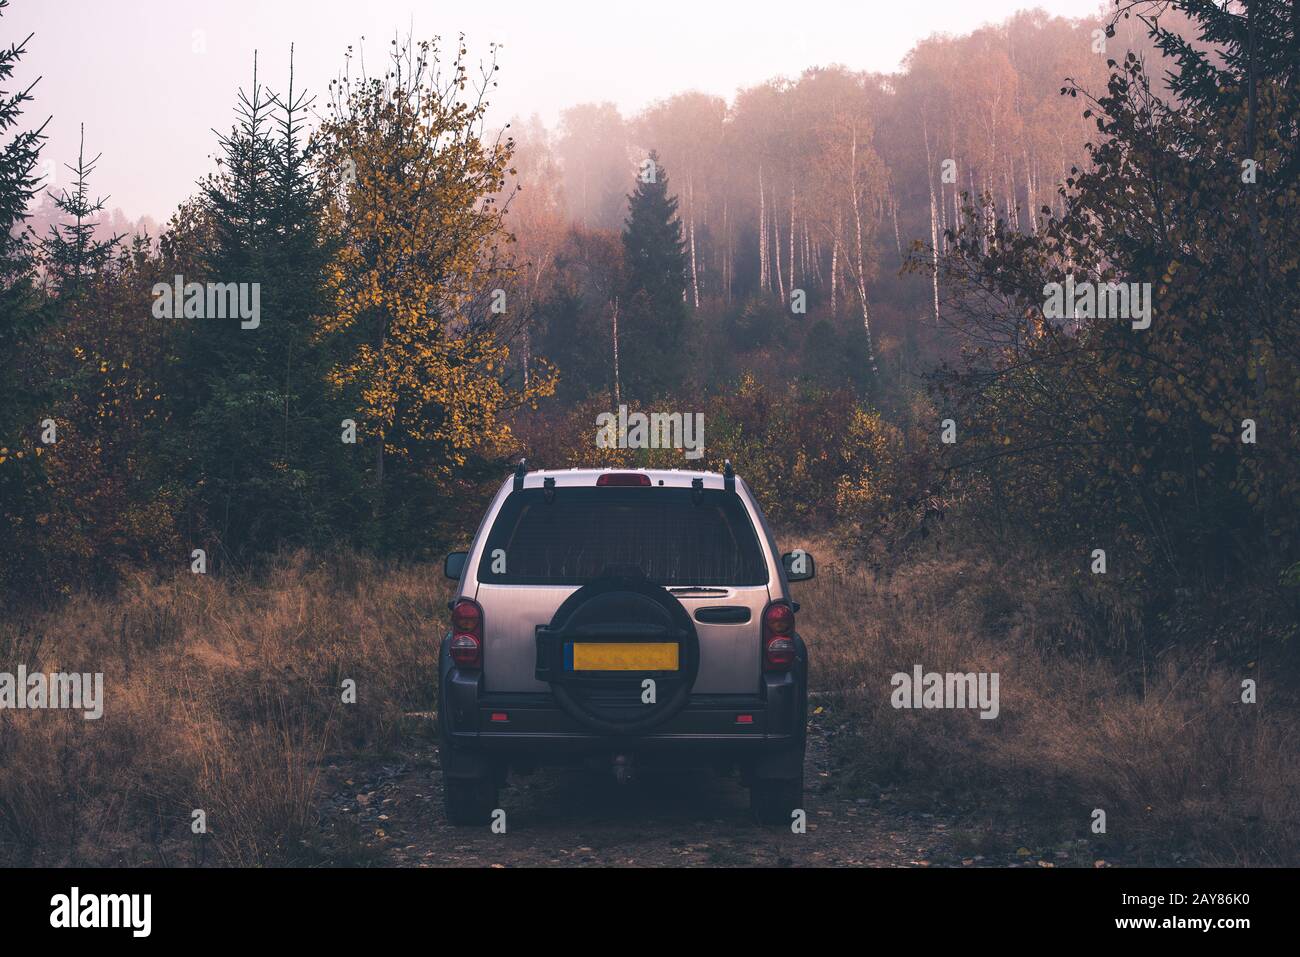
(624, 769)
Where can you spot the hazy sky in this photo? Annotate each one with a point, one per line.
(151, 78)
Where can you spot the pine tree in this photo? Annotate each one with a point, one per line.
(21, 313)
(19, 183)
(655, 316)
(1234, 43)
(239, 198)
(1238, 49)
(71, 253)
(327, 474)
(261, 432)
(1246, 59)
(1261, 50)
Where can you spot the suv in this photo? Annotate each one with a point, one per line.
(632, 616)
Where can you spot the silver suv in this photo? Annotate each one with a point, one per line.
(626, 618)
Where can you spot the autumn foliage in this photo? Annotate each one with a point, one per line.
(1171, 447)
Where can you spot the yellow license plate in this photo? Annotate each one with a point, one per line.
(624, 656)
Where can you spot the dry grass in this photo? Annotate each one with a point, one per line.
(222, 694)
(1183, 769)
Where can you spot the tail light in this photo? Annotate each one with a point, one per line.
(466, 634)
(778, 637)
(623, 479)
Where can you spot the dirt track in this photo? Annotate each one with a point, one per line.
(389, 813)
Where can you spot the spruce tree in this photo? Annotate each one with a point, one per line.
(654, 319)
(1244, 60)
(19, 183)
(71, 253)
(261, 433)
(327, 473)
(1258, 38)
(21, 313)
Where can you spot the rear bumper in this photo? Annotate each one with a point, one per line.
(534, 725)
(536, 731)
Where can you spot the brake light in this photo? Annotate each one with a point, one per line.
(778, 637)
(623, 479)
(466, 634)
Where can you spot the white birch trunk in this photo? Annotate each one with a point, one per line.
(861, 278)
(793, 280)
(618, 391)
(695, 276)
(726, 252)
(835, 264)
(934, 236)
(776, 248)
(898, 243)
(762, 233)
(1029, 196)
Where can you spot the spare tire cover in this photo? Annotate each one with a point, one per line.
(618, 609)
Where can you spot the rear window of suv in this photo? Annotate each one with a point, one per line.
(662, 534)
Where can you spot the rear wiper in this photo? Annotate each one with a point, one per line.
(704, 588)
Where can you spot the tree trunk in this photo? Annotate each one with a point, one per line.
(528, 348)
(898, 244)
(762, 233)
(934, 236)
(776, 249)
(835, 265)
(618, 390)
(861, 278)
(695, 276)
(726, 253)
(792, 276)
(1029, 196)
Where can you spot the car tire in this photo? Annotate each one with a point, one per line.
(469, 802)
(772, 802)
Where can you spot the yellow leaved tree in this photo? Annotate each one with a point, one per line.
(419, 309)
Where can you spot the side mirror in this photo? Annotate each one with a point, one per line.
(799, 565)
(454, 565)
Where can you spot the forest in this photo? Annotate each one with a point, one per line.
(845, 273)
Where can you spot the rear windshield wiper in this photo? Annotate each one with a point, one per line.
(704, 588)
